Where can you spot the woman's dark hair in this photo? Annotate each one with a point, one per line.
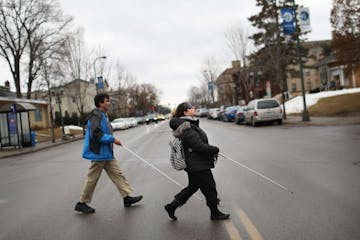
(100, 98)
(181, 108)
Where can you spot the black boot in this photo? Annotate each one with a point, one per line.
(217, 215)
(128, 201)
(171, 207)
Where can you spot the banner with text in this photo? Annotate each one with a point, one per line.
(287, 15)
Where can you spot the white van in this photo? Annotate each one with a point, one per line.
(263, 110)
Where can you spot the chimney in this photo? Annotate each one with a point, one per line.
(6, 87)
(236, 64)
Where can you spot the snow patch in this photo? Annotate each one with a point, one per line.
(296, 105)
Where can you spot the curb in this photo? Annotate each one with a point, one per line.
(18, 152)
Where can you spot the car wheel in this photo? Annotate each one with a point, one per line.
(253, 123)
(280, 121)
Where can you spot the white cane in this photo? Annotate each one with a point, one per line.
(257, 173)
(158, 170)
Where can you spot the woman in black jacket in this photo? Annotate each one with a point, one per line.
(199, 158)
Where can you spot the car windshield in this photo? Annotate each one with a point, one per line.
(268, 104)
(232, 108)
(118, 120)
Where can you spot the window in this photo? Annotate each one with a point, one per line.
(251, 105)
(293, 87)
(267, 104)
(38, 114)
(308, 84)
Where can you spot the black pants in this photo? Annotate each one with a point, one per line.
(203, 180)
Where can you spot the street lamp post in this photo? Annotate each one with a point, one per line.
(102, 57)
(57, 95)
(210, 85)
(305, 113)
(256, 75)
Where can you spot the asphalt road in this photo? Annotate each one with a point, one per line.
(279, 182)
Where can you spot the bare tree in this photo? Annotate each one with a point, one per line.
(77, 66)
(13, 39)
(194, 95)
(142, 98)
(77, 57)
(51, 77)
(237, 42)
(45, 33)
(345, 20)
(120, 75)
(31, 28)
(210, 71)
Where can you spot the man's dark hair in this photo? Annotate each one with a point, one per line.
(181, 108)
(100, 98)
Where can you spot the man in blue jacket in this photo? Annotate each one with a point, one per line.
(98, 147)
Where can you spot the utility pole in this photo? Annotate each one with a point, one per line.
(305, 113)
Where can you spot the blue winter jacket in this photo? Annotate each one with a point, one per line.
(98, 143)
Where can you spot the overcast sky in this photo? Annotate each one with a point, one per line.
(165, 42)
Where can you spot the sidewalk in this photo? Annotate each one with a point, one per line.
(290, 121)
(12, 151)
(322, 121)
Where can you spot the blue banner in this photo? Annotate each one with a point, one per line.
(100, 84)
(210, 86)
(287, 15)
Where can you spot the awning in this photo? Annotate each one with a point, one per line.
(20, 107)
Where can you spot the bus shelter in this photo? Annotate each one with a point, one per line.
(15, 124)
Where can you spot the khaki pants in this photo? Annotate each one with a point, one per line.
(114, 172)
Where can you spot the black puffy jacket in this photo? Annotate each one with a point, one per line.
(199, 154)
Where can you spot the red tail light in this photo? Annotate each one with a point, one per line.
(255, 113)
(280, 110)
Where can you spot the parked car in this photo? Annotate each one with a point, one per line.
(229, 114)
(221, 112)
(240, 115)
(119, 123)
(201, 112)
(213, 113)
(160, 117)
(151, 118)
(263, 110)
(132, 122)
(140, 120)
